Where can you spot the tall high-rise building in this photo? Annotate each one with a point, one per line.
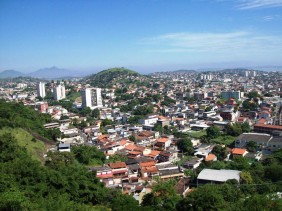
(92, 98)
(41, 89)
(206, 77)
(253, 73)
(226, 95)
(59, 92)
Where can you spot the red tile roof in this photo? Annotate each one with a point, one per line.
(238, 151)
(134, 153)
(210, 157)
(130, 147)
(162, 140)
(122, 142)
(147, 164)
(262, 121)
(278, 127)
(117, 165)
(152, 169)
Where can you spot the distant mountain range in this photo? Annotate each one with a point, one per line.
(45, 73)
(184, 71)
(59, 73)
(10, 74)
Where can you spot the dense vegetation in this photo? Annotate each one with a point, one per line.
(34, 147)
(17, 115)
(62, 184)
(107, 78)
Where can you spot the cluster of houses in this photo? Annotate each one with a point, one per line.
(201, 100)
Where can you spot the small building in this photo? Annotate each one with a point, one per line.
(275, 143)
(119, 170)
(166, 156)
(170, 173)
(211, 157)
(261, 139)
(227, 115)
(182, 186)
(192, 164)
(133, 170)
(163, 121)
(148, 169)
(237, 152)
(270, 129)
(64, 148)
(104, 173)
(149, 120)
(217, 176)
(208, 114)
(198, 127)
(163, 143)
(220, 124)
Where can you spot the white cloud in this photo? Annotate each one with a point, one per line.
(252, 4)
(268, 18)
(240, 42)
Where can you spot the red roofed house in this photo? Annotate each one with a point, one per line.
(134, 154)
(211, 157)
(242, 119)
(163, 143)
(166, 156)
(104, 173)
(153, 154)
(262, 121)
(262, 128)
(123, 142)
(148, 169)
(119, 170)
(103, 139)
(130, 147)
(237, 152)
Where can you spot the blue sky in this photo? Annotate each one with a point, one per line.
(145, 35)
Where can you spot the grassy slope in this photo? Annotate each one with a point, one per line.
(112, 70)
(197, 134)
(224, 139)
(107, 78)
(35, 149)
(74, 96)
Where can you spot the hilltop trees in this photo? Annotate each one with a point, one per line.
(213, 132)
(220, 152)
(167, 101)
(106, 78)
(185, 145)
(95, 113)
(252, 146)
(237, 128)
(17, 115)
(62, 184)
(163, 197)
(88, 154)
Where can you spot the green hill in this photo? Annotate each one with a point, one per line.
(15, 115)
(34, 147)
(107, 78)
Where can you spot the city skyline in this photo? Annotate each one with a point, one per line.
(147, 36)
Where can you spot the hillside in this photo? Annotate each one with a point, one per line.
(35, 148)
(10, 74)
(16, 115)
(51, 73)
(185, 71)
(108, 78)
